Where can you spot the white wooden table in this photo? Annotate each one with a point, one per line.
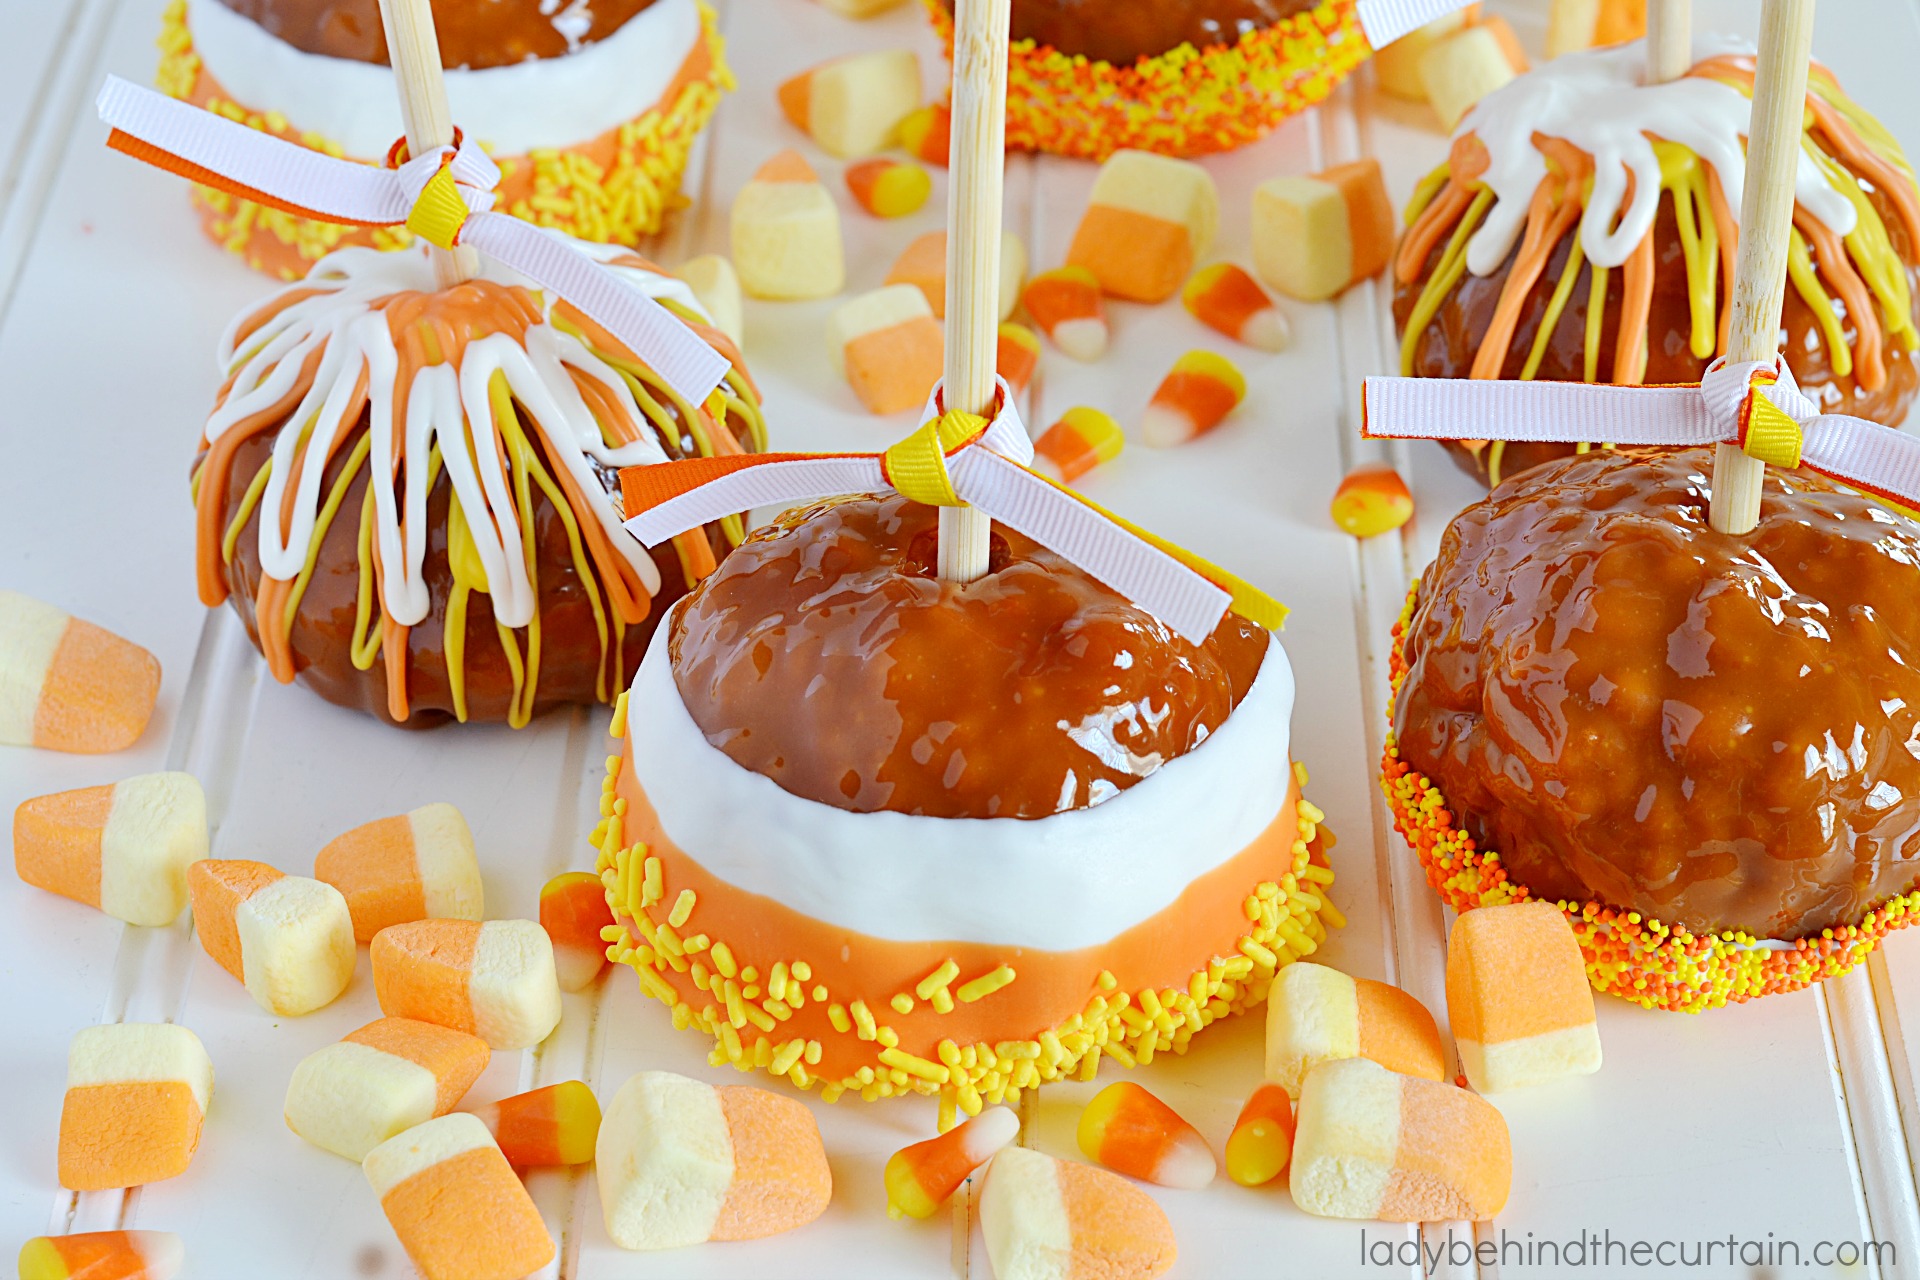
(1790, 1120)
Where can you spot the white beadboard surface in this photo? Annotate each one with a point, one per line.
(1789, 1120)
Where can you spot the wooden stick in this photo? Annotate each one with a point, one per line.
(1669, 39)
(977, 169)
(1766, 229)
(414, 51)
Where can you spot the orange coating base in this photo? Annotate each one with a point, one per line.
(127, 1134)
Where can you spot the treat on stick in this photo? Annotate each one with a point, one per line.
(1228, 300)
(1315, 236)
(786, 233)
(1464, 67)
(1081, 440)
(1316, 1014)
(887, 345)
(457, 1206)
(574, 912)
(1067, 305)
(417, 866)
(1130, 1131)
(1147, 220)
(1262, 1140)
(1372, 499)
(381, 1080)
(124, 848)
(717, 286)
(927, 133)
(1517, 997)
(137, 1094)
(852, 105)
(103, 1255)
(1195, 397)
(67, 685)
(1016, 356)
(923, 264)
(1573, 25)
(924, 1176)
(556, 1125)
(889, 188)
(495, 980)
(1045, 1219)
(288, 939)
(1396, 68)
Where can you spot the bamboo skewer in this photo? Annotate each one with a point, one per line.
(414, 50)
(1669, 40)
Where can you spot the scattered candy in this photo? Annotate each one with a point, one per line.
(137, 1093)
(1262, 1139)
(103, 1255)
(852, 105)
(680, 1162)
(1372, 499)
(457, 1206)
(1017, 355)
(1227, 299)
(1130, 1131)
(1083, 439)
(927, 133)
(1047, 1219)
(859, 8)
(1396, 68)
(573, 911)
(1316, 1014)
(67, 685)
(716, 285)
(1067, 305)
(552, 1126)
(1462, 68)
(786, 233)
(1148, 219)
(1518, 998)
(1193, 399)
(495, 980)
(888, 347)
(924, 1176)
(1585, 24)
(1315, 236)
(888, 188)
(923, 264)
(287, 938)
(123, 848)
(1372, 1144)
(381, 1080)
(418, 866)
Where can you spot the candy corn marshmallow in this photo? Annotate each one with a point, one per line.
(888, 347)
(1149, 218)
(924, 1176)
(1518, 998)
(67, 685)
(418, 866)
(1016, 355)
(1372, 1144)
(1047, 1219)
(1228, 300)
(1083, 439)
(681, 1162)
(123, 848)
(289, 939)
(1314, 236)
(1130, 1131)
(1372, 499)
(495, 980)
(1197, 394)
(1262, 1138)
(889, 188)
(923, 264)
(1396, 68)
(1583, 24)
(1067, 305)
(573, 911)
(1466, 66)
(852, 105)
(716, 286)
(1316, 1014)
(381, 1080)
(786, 233)
(103, 1255)
(137, 1093)
(455, 1203)
(557, 1125)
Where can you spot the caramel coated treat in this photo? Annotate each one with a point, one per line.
(1633, 709)
(1124, 31)
(492, 33)
(826, 654)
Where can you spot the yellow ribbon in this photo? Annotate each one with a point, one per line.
(439, 212)
(1771, 435)
(917, 466)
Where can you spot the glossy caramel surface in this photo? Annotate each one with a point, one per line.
(473, 33)
(826, 655)
(1124, 31)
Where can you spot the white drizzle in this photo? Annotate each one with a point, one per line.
(1596, 100)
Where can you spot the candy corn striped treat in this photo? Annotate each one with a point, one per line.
(554, 1125)
(924, 1176)
(103, 1255)
(1196, 396)
(1130, 1131)
(418, 866)
(1228, 300)
(889, 188)
(1517, 997)
(574, 912)
(852, 105)
(123, 848)
(1582, 24)
(67, 685)
(1047, 1219)
(1464, 67)
(495, 980)
(289, 939)
(888, 347)
(381, 1080)
(1148, 219)
(927, 133)
(1316, 1014)
(1396, 68)
(1017, 355)
(1315, 236)
(786, 233)
(680, 1162)
(455, 1203)
(1372, 499)
(923, 264)
(137, 1093)
(1069, 308)
(1083, 439)
(1262, 1140)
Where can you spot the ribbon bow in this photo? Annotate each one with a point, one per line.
(957, 459)
(445, 197)
(1756, 406)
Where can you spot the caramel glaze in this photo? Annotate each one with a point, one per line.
(473, 33)
(1124, 31)
(1446, 349)
(1628, 707)
(826, 654)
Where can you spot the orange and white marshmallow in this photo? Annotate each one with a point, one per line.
(1130, 1131)
(1047, 1219)
(1573, 25)
(1069, 308)
(1372, 499)
(1518, 999)
(1016, 355)
(681, 1162)
(889, 188)
(1228, 300)
(460, 1211)
(927, 133)
(495, 980)
(1373, 1144)
(923, 264)
(1396, 68)
(288, 938)
(716, 287)
(786, 233)
(68, 685)
(1262, 1140)
(888, 347)
(1148, 220)
(1197, 394)
(418, 866)
(383, 1079)
(1316, 1014)
(137, 1094)
(1083, 439)
(555, 1125)
(1314, 236)
(574, 911)
(103, 1255)
(853, 105)
(1466, 66)
(124, 848)
(924, 1176)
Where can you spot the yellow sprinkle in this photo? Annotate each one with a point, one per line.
(887, 1036)
(820, 991)
(730, 1041)
(804, 971)
(700, 975)
(650, 891)
(902, 1003)
(758, 1017)
(697, 943)
(862, 1020)
(751, 991)
(837, 1015)
(949, 1053)
(736, 1011)
(778, 1008)
(813, 1053)
(949, 1110)
(682, 908)
(940, 977)
(789, 1053)
(901, 1060)
(777, 981)
(986, 984)
(1107, 981)
(749, 974)
(943, 1001)
(723, 960)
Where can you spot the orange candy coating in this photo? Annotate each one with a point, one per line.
(555, 1125)
(888, 188)
(573, 911)
(1262, 1139)
(1372, 499)
(922, 1177)
(1130, 1131)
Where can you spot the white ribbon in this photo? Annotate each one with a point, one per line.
(1385, 21)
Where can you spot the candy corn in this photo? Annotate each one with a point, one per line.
(923, 264)
(786, 233)
(573, 911)
(716, 285)
(123, 848)
(103, 1255)
(1017, 355)
(1082, 440)
(1228, 300)
(1372, 1144)
(555, 1125)
(927, 133)
(455, 1203)
(1262, 1139)
(67, 685)
(1518, 998)
(1148, 219)
(137, 1093)
(418, 866)
(680, 1162)
(381, 1080)
(888, 188)
(1130, 1131)
(289, 939)
(1372, 499)
(1200, 391)
(1462, 68)
(924, 1176)
(1584, 24)
(852, 105)
(495, 980)
(1396, 68)
(1066, 303)
(1315, 236)
(1316, 1014)
(1047, 1219)
(888, 347)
